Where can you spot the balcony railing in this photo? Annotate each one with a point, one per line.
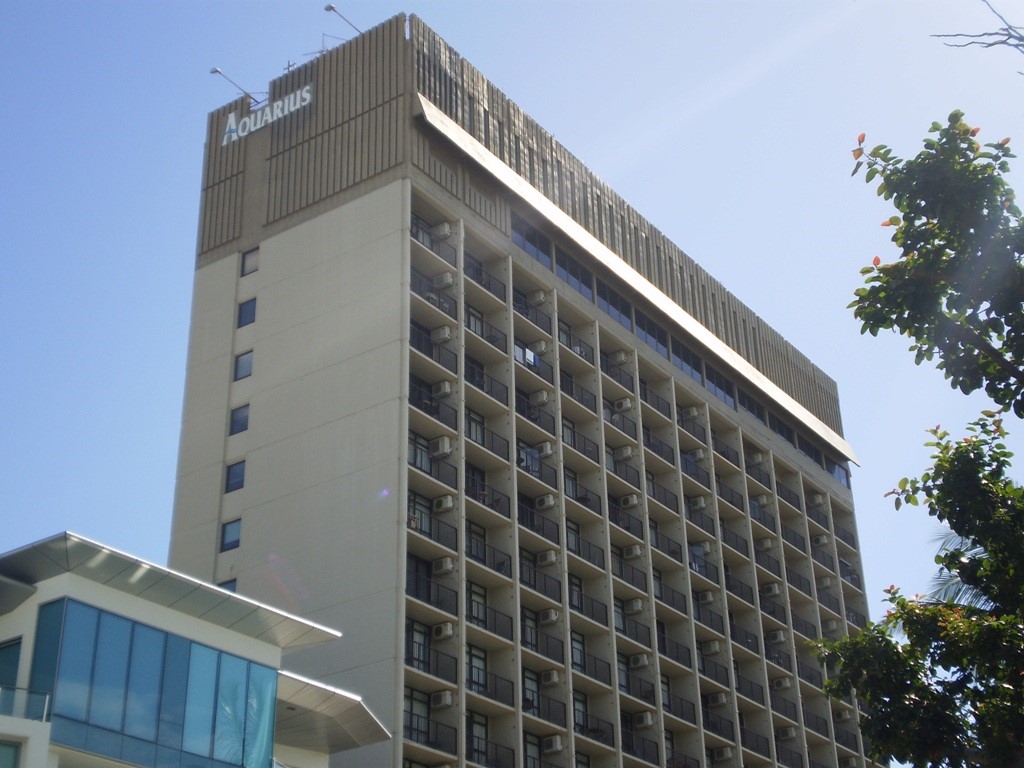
(829, 601)
(585, 549)
(676, 759)
(750, 689)
(593, 727)
(818, 515)
(579, 493)
(816, 723)
(433, 528)
(625, 520)
(429, 591)
(787, 494)
(708, 617)
(421, 232)
(486, 383)
(537, 580)
(804, 627)
(656, 401)
(577, 391)
(666, 544)
(426, 659)
(755, 742)
(849, 574)
(728, 494)
(636, 686)
(480, 492)
(475, 271)
(581, 443)
(430, 733)
(662, 495)
(659, 446)
(675, 650)
(528, 461)
(845, 535)
(538, 522)
(535, 413)
(439, 469)
(487, 331)
(740, 588)
(624, 470)
(776, 655)
(688, 463)
(640, 746)
(423, 286)
(776, 610)
(768, 562)
(735, 541)
(724, 450)
(704, 567)
(633, 629)
(421, 398)
(492, 686)
(541, 642)
(628, 573)
(588, 606)
(799, 581)
(744, 637)
(782, 705)
(619, 420)
(759, 473)
(718, 724)
(533, 362)
(762, 515)
(544, 707)
(847, 739)
(480, 751)
(492, 557)
(856, 618)
(699, 517)
(794, 538)
(678, 706)
(789, 757)
(491, 619)
(823, 557)
(421, 341)
(616, 372)
(809, 674)
(521, 304)
(690, 424)
(576, 344)
(24, 704)
(591, 666)
(489, 439)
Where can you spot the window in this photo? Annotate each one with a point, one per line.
(720, 386)
(419, 452)
(10, 653)
(8, 755)
(838, 471)
(417, 645)
(578, 648)
(531, 240)
(239, 419)
(574, 273)
(810, 450)
(751, 406)
(243, 365)
(686, 360)
(231, 585)
(477, 738)
(475, 429)
(476, 668)
(531, 690)
(230, 535)
(651, 333)
(615, 305)
(781, 428)
(475, 320)
(234, 476)
(250, 261)
(246, 312)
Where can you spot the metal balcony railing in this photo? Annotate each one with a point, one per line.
(579, 493)
(577, 391)
(24, 704)
(433, 528)
(543, 643)
(420, 340)
(718, 724)
(576, 344)
(798, 580)
(794, 538)
(623, 470)
(688, 464)
(816, 723)
(535, 413)
(629, 573)
(480, 492)
(616, 372)
(678, 706)
(777, 656)
(776, 610)
(809, 674)
(582, 443)
(533, 362)
(619, 420)
(593, 727)
(544, 707)
(426, 659)
(740, 588)
(735, 541)
(422, 232)
(818, 515)
(659, 446)
(588, 606)
(675, 650)
(662, 495)
(481, 751)
(845, 535)
(667, 545)
(538, 522)
(847, 739)
(762, 515)
(549, 586)
(787, 494)
(670, 596)
(475, 271)
(492, 686)
(755, 742)
(482, 552)
(421, 398)
(423, 287)
(640, 746)
(487, 331)
(486, 383)
(849, 574)
(699, 517)
(691, 425)
(824, 558)
(804, 627)
(585, 549)
(856, 618)
(429, 591)
(521, 304)
(708, 617)
(730, 495)
(591, 666)
(633, 629)
(768, 562)
(788, 757)
(760, 474)
(782, 705)
(636, 686)
(431, 733)
(439, 469)
(725, 450)
(752, 690)
(528, 461)
(704, 567)
(625, 520)
(656, 401)
(482, 615)
(744, 637)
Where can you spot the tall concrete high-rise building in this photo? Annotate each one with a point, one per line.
(572, 502)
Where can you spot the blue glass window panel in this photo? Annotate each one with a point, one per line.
(247, 312)
(74, 670)
(200, 700)
(10, 655)
(614, 305)
(46, 647)
(8, 755)
(138, 752)
(234, 477)
(110, 671)
(243, 365)
(100, 741)
(261, 702)
(143, 701)
(172, 694)
(239, 419)
(230, 535)
(229, 731)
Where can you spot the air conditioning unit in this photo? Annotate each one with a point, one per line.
(624, 453)
(776, 636)
(442, 334)
(536, 298)
(440, 700)
(755, 459)
(621, 357)
(443, 566)
(633, 607)
(721, 754)
(538, 347)
(786, 734)
(710, 647)
(550, 677)
(540, 397)
(704, 547)
(629, 501)
(440, 447)
(782, 684)
(829, 625)
(578, 349)
(441, 231)
(718, 700)
(705, 598)
(823, 582)
(847, 762)
(545, 449)
(763, 500)
(441, 389)
(444, 280)
(443, 631)
(546, 558)
(443, 503)
(693, 412)
(548, 616)
(771, 590)
(547, 501)
(698, 455)
(765, 544)
(632, 552)
(551, 744)
(820, 540)
(843, 716)
(817, 500)
(643, 720)
(624, 404)
(639, 661)
(698, 502)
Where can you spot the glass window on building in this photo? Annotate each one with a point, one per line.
(8, 755)
(10, 655)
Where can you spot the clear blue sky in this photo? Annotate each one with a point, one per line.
(729, 124)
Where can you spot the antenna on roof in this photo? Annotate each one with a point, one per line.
(331, 9)
(252, 99)
(323, 44)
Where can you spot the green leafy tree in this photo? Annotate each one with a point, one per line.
(943, 680)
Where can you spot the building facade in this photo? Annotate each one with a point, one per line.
(574, 504)
(108, 660)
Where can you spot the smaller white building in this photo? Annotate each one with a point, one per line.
(107, 660)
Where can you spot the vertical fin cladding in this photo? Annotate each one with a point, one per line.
(482, 110)
(220, 217)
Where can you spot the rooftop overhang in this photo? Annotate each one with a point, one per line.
(522, 189)
(21, 569)
(322, 719)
